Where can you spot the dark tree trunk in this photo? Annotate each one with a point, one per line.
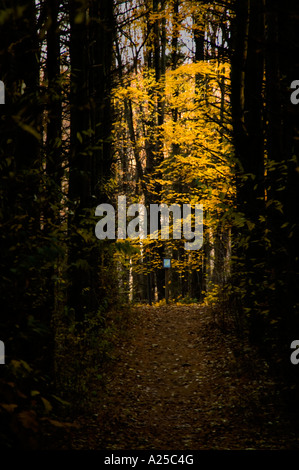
(247, 113)
(282, 67)
(90, 154)
(20, 141)
(53, 158)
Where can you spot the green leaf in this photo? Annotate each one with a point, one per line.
(79, 137)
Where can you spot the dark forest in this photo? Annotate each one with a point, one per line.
(113, 112)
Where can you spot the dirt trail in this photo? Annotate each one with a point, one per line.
(178, 384)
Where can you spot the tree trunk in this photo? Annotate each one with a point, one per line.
(247, 113)
(90, 153)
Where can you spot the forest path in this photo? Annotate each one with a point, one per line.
(177, 384)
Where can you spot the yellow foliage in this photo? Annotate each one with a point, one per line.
(196, 164)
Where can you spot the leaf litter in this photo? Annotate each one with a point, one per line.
(179, 382)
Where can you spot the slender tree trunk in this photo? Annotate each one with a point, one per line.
(54, 170)
(90, 153)
(247, 106)
(20, 143)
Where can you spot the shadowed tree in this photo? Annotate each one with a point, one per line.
(20, 141)
(91, 40)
